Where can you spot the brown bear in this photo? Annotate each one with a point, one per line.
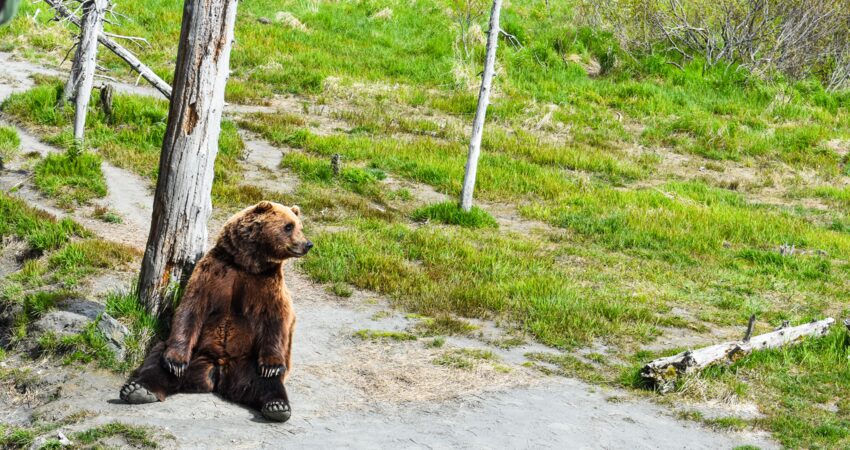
(232, 332)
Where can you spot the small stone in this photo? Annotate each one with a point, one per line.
(63, 440)
(264, 20)
(115, 333)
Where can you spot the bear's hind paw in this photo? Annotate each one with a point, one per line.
(276, 411)
(135, 394)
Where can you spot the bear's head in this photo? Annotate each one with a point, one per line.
(264, 235)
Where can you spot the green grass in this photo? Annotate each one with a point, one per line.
(436, 272)
(10, 143)
(136, 436)
(571, 366)
(104, 214)
(445, 326)
(451, 214)
(40, 230)
(341, 290)
(380, 335)
(464, 358)
(516, 169)
(71, 178)
(681, 218)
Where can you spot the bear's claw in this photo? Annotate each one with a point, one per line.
(271, 371)
(174, 367)
(277, 411)
(134, 393)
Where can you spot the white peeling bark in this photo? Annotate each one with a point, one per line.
(85, 62)
(119, 51)
(663, 371)
(481, 111)
(182, 203)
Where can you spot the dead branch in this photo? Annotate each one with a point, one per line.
(663, 372)
(134, 62)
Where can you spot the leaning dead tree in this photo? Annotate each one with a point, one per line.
(182, 202)
(481, 111)
(119, 50)
(662, 373)
(81, 80)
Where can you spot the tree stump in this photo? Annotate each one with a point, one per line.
(336, 164)
(106, 101)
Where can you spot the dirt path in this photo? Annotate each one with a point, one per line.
(349, 392)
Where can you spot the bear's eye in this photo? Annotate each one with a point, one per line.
(288, 228)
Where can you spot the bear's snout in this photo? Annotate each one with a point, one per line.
(307, 246)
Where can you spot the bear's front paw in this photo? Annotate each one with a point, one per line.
(174, 363)
(271, 370)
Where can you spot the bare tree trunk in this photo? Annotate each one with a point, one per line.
(119, 51)
(481, 112)
(85, 62)
(182, 203)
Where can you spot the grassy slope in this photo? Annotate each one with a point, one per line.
(634, 247)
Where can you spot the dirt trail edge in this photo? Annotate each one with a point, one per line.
(350, 392)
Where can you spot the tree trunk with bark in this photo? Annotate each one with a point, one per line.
(481, 111)
(81, 81)
(182, 202)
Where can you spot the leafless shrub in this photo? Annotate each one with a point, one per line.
(795, 37)
(465, 13)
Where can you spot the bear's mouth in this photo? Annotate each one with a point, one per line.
(300, 250)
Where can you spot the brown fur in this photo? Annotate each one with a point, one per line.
(235, 323)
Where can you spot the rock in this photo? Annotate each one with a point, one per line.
(289, 20)
(61, 323)
(69, 317)
(264, 20)
(384, 14)
(81, 306)
(115, 333)
(12, 252)
(63, 440)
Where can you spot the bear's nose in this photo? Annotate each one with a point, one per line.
(308, 245)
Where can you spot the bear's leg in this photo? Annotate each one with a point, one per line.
(241, 383)
(200, 376)
(150, 382)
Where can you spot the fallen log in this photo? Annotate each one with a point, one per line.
(662, 372)
(119, 50)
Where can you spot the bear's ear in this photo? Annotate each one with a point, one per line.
(296, 210)
(263, 206)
